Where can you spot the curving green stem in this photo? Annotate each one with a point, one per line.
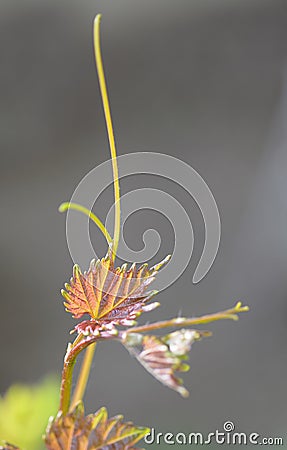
(109, 124)
(76, 207)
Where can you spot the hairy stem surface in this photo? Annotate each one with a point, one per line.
(88, 358)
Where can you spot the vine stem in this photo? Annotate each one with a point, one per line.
(81, 343)
(73, 351)
(182, 321)
(67, 374)
(66, 386)
(84, 375)
(109, 125)
(75, 206)
(88, 358)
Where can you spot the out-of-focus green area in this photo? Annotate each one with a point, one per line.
(25, 410)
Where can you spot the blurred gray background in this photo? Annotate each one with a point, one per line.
(202, 80)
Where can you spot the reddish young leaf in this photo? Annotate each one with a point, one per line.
(75, 431)
(111, 296)
(164, 356)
